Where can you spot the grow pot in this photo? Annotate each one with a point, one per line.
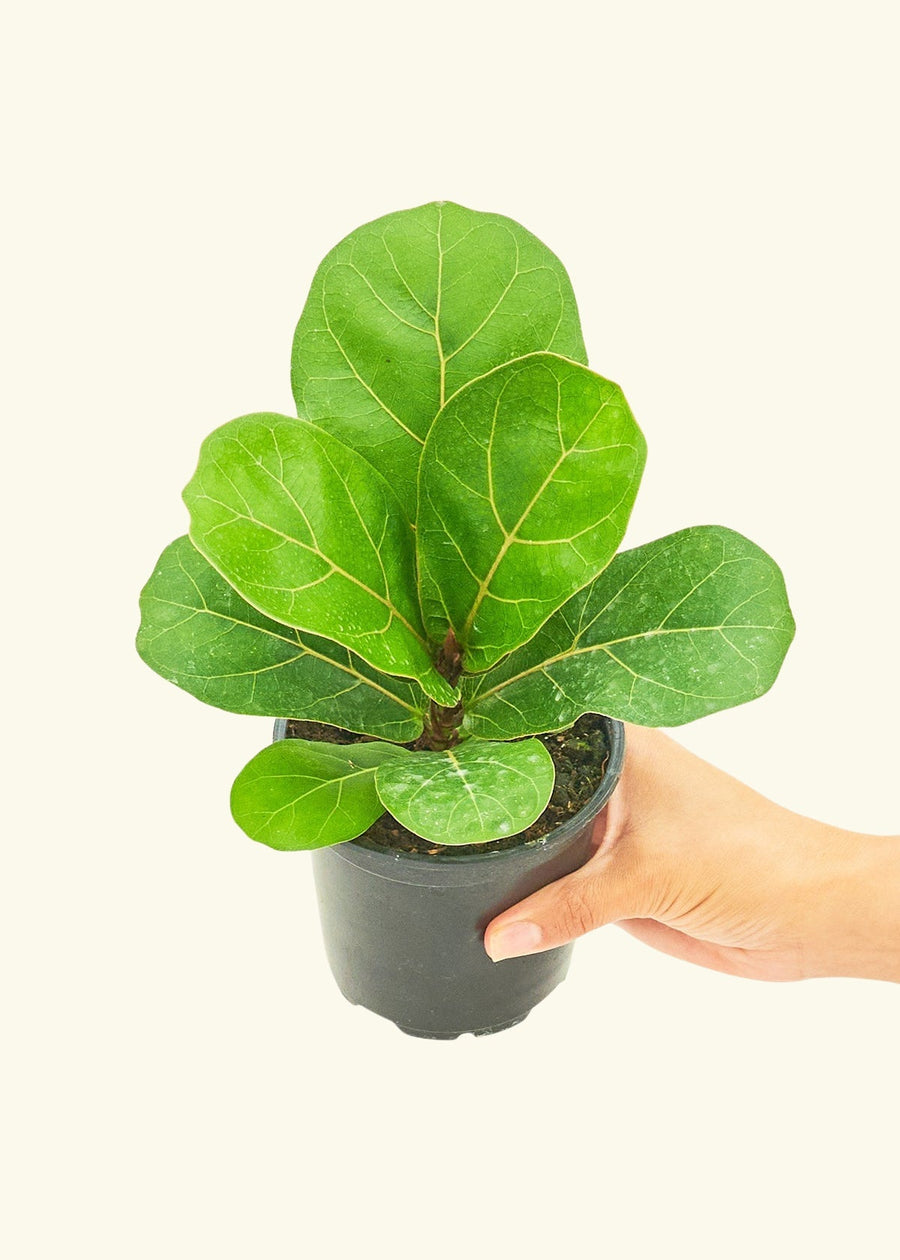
(404, 931)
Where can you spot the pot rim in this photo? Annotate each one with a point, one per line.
(615, 734)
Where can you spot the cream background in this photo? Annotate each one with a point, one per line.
(180, 1076)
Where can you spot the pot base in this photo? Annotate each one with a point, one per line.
(475, 1032)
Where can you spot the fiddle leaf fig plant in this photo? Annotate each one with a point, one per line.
(426, 555)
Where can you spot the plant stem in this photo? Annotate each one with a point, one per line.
(442, 724)
(442, 727)
(449, 661)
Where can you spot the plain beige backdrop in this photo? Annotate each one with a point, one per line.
(180, 1076)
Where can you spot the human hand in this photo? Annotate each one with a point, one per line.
(700, 866)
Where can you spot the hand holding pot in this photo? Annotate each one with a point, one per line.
(700, 866)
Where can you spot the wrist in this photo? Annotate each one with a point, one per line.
(856, 907)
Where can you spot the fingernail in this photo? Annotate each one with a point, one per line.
(514, 940)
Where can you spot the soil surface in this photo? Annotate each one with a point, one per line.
(579, 755)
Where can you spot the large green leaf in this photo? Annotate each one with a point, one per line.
(197, 632)
(297, 794)
(525, 488)
(407, 310)
(470, 794)
(309, 533)
(684, 626)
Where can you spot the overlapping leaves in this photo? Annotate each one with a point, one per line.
(199, 633)
(297, 794)
(457, 480)
(671, 631)
(307, 532)
(525, 488)
(408, 309)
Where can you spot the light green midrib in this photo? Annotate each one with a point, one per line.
(510, 537)
(655, 682)
(315, 549)
(467, 786)
(611, 643)
(334, 569)
(442, 362)
(337, 782)
(443, 358)
(306, 651)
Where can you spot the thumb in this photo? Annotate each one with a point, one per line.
(603, 891)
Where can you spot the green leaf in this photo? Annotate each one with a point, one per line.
(525, 488)
(470, 794)
(197, 632)
(299, 794)
(307, 532)
(407, 310)
(684, 626)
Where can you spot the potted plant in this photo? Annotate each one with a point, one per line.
(420, 569)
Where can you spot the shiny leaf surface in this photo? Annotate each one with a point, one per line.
(297, 794)
(307, 532)
(408, 309)
(198, 632)
(475, 792)
(526, 485)
(681, 627)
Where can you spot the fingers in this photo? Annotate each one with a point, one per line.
(603, 891)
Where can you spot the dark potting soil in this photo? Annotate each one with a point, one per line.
(579, 754)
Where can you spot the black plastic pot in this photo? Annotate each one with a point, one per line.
(404, 931)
